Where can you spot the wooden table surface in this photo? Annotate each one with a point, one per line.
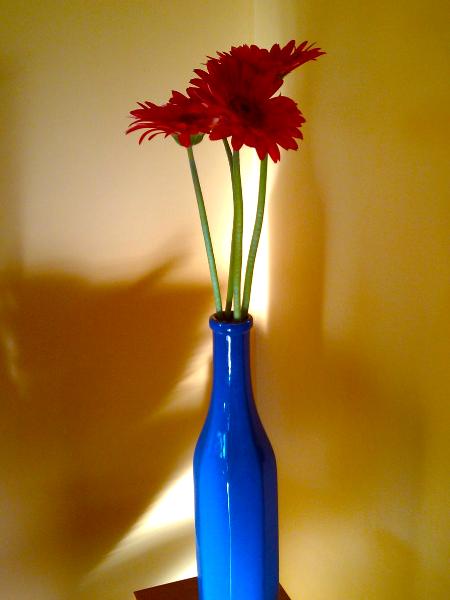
(181, 590)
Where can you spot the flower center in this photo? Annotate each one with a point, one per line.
(247, 110)
(189, 118)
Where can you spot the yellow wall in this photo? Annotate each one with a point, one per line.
(359, 227)
(104, 298)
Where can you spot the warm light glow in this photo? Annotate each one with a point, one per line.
(175, 505)
(184, 571)
(171, 510)
(188, 394)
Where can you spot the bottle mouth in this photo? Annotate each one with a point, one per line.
(230, 327)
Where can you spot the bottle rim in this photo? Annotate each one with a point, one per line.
(230, 327)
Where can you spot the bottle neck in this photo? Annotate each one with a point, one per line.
(231, 362)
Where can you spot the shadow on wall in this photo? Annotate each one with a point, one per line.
(349, 453)
(84, 370)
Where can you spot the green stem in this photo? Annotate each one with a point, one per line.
(238, 220)
(229, 154)
(255, 237)
(205, 231)
(229, 301)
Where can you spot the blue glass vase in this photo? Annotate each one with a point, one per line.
(235, 480)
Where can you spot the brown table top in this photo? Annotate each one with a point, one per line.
(180, 590)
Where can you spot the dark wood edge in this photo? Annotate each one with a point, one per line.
(186, 589)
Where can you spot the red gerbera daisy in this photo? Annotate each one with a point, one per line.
(181, 117)
(237, 89)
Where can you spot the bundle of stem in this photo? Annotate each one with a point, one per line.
(236, 309)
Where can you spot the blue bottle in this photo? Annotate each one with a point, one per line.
(235, 480)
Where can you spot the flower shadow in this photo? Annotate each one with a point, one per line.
(85, 369)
